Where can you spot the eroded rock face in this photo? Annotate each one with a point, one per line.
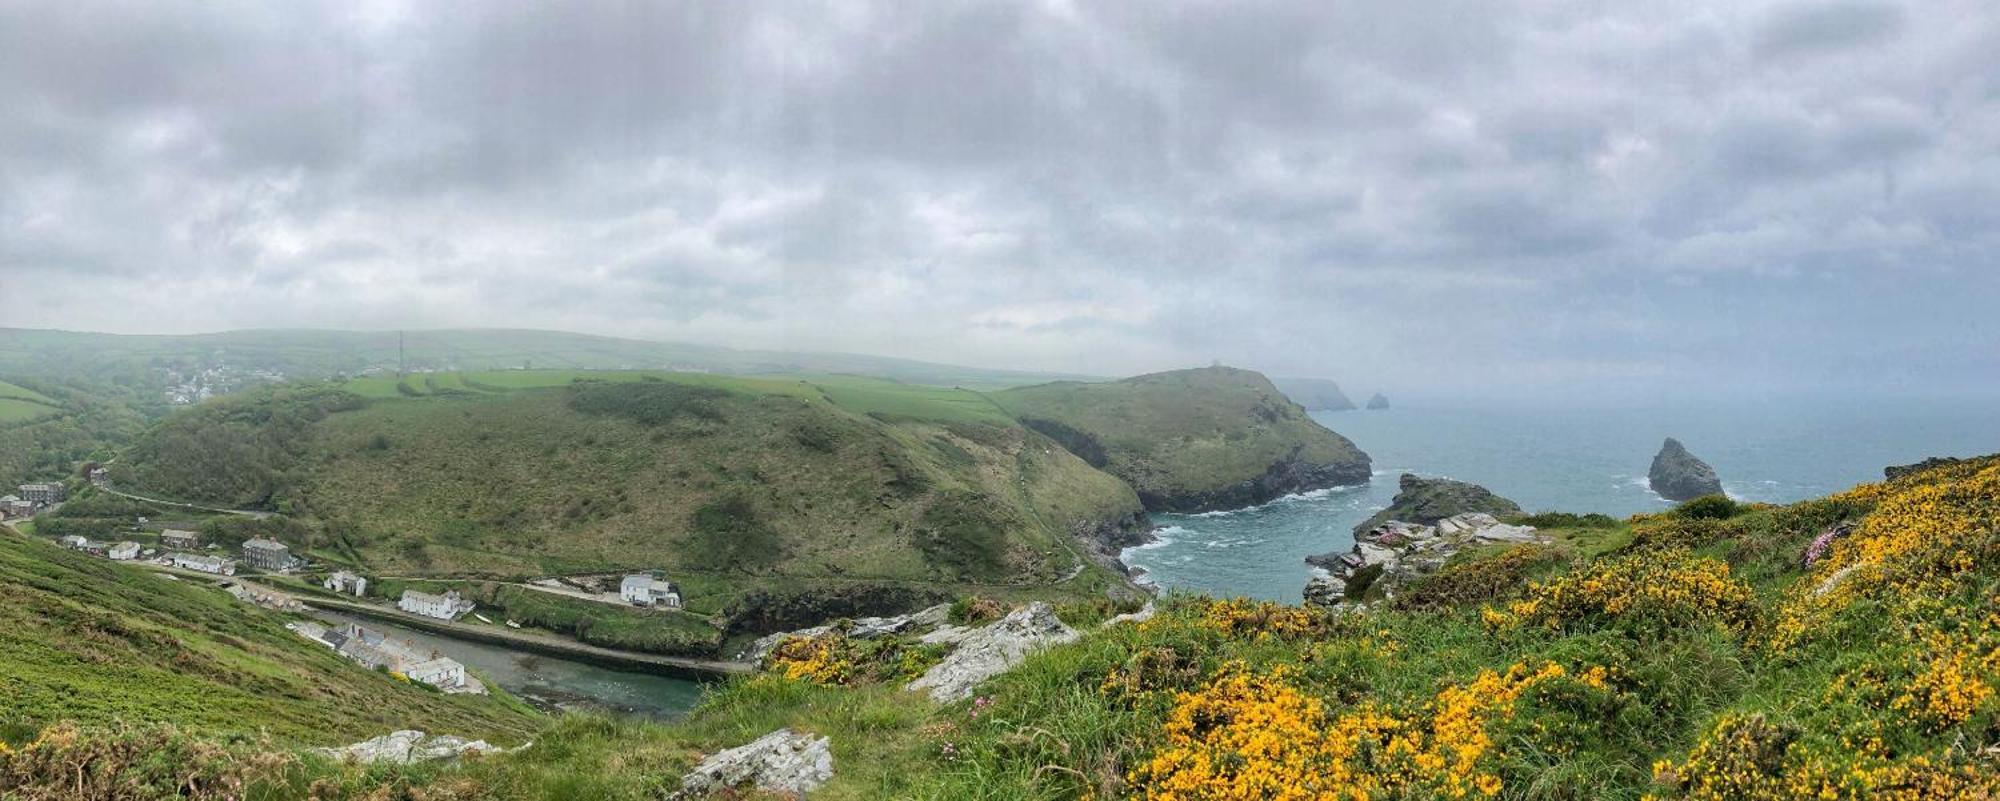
(1678, 476)
(985, 652)
(1396, 552)
(407, 746)
(783, 761)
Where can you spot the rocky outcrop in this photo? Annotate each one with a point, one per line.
(983, 653)
(783, 762)
(1423, 501)
(1393, 554)
(867, 628)
(766, 611)
(407, 746)
(1378, 402)
(1678, 476)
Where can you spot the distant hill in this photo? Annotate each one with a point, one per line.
(93, 641)
(1192, 440)
(1315, 394)
(232, 358)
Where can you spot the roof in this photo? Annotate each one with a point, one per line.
(179, 532)
(263, 544)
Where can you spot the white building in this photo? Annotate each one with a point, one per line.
(123, 551)
(448, 606)
(178, 539)
(204, 564)
(74, 542)
(441, 672)
(343, 581)
(641, 589)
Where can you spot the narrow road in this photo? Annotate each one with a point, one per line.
(196, 507)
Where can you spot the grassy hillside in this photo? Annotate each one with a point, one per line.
(87, 640)
(1192, 440)
(733, 483)
(1842, 648)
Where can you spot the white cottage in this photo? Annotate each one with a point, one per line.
(448, 606)
(346, 582)
(642, 589)
(441, 672)
(124, 551)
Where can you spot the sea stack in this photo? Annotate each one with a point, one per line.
(1380, 401)
(1678, 476)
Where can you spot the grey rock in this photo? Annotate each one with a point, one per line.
(1325, 591)
(1378, 402)
(1144, 614)
(783, 761)
(989, 651)
(866, 628)
(407, 746)
(1678, 476)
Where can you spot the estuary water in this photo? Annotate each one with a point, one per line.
(550, 682)
(1557, 460)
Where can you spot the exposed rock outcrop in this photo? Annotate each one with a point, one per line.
(1378, 401)
(1896, 471)
(1678, 476)
(1292, 474)
(784, 762)
(866, 628)
(986, 652)
(407, 746)
(1394, 553)
(1423, 501)
(765, 611)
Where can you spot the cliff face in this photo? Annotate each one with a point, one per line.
(1192, 440)
(1678, 476)
(1315, 394)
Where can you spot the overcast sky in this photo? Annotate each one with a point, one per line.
(1426, 197)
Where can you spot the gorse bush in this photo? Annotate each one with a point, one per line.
(1650, 592)
(1708, 507)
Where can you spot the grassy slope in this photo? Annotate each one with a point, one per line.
(840, 479)
(1185, 431)
(1803, 696)
(84, 639)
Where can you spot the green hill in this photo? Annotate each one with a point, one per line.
(733, 484)
(1192, 440)
(88, 640)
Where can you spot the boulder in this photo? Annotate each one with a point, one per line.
(1678, 476)
(986, 652)
(1325, 591)
(407, 746)
(784, 762)
(1424, 501)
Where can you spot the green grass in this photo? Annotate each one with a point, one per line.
(16, 410)
(87, 640)
(22, 393)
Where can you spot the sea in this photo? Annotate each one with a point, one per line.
(1579, 460)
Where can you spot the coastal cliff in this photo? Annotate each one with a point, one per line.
(1192, 440)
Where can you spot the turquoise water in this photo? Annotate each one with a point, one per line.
(1576, 461)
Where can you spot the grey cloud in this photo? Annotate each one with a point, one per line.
(1392, 194)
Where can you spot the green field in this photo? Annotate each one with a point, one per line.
(21, 393)
(15, 410)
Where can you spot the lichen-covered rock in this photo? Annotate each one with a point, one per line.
(783, 761)
(1325, 591)
(986, 652)
(407, 746)
(1678, 476)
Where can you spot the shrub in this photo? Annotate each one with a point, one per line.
(1708, 507)
(731, 534)
(1479, 580)
(971, 609)
(1567, 520)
